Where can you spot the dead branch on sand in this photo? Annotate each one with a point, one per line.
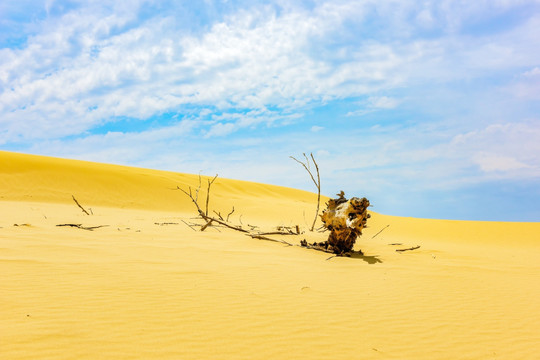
(204, 214)
(210, 220)
(344, 218)
(261, 237)
(384, 228)
(79, 226)
(409, 249)
(79, 205)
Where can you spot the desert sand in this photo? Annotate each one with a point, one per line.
(144, 285)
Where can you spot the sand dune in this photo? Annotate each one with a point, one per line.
(145, 285)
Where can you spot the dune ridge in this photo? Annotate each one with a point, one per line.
(145, 285)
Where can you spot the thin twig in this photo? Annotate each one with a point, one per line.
(79, 205)
(229, 214)
(408, 249)
(318, 191)
(234, 227)
(218, 214)
(277, 233)
(79, 226)
(305, 167)
(317, 182)
(192, 199)
(198, 189)
(260, 237)
(208, 193)
(380, 231)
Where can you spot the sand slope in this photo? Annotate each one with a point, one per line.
(148, 286)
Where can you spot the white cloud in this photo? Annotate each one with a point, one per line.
(533, 72)
(374, 103)
(509, 150)
(260, 66)
(383, 102)
(87, 73)
(220, 129)
(491, 162)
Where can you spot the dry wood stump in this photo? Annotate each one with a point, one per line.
(345, 219)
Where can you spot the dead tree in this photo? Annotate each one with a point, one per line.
(345, 219)
(211, 220)
(317, 182)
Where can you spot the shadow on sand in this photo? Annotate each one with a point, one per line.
(367, 258)
(359, 255)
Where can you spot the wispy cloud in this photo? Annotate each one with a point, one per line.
(411, 94)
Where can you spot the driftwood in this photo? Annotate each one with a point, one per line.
(345, 219)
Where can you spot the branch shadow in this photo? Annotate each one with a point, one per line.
(370, 259)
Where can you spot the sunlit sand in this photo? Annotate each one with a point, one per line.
(143, 284)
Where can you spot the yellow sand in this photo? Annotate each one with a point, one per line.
(142, 289)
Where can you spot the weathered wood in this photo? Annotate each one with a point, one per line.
(345, 219)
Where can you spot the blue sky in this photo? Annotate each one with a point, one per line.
(428, 108)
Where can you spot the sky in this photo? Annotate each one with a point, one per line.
(428, 108)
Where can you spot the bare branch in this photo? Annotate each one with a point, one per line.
(260, 237)
(229, 214)
(277, 233)
(380, 231)
(307, 169)
(208, 194)
(234, 227)
(218, 214)
(207, 225)
(192, 199)
(408, 249)
(318, 192)
(79, 205)
(198, 189)
(79, 226)
(317, 182)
